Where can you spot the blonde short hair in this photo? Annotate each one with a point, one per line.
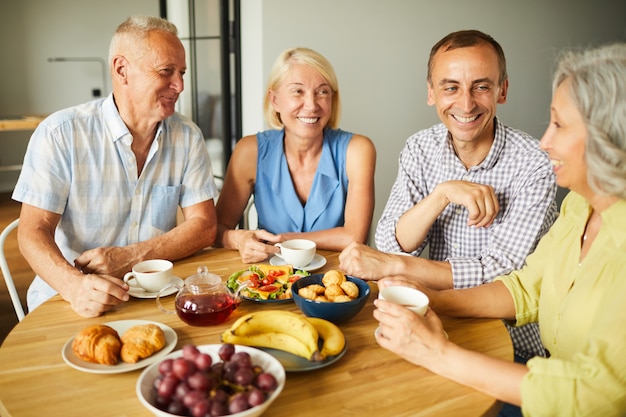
(283, 64)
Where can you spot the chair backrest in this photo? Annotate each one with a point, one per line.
(8, 278)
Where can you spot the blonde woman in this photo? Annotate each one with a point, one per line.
(305, 173)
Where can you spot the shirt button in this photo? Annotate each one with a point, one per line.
(458, 211)
(466, 178)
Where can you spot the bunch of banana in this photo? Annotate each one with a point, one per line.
(286, 331)
(334, 340)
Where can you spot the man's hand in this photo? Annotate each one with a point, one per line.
(96, 294)
(113, 260)
(479, 199)
(361, 261)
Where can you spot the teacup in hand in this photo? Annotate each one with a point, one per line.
(408, 297)
(150, 275)
(297, 252)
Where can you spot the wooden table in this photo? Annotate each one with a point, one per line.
(17, 123)
(367, 380)
(20, 123)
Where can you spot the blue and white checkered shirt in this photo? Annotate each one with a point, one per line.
(522, 177)
(79, 164)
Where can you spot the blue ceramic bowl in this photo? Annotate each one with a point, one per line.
(334, 312)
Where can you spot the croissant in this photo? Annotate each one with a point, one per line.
(141, 341)
(98, 344)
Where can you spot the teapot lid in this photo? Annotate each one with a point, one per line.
(203, 277)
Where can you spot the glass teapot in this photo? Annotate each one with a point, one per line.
(203, 300)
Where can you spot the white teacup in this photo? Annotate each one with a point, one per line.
(408, 297)
(297, 252)
(150, 275)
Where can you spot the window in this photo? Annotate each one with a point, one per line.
(210, 33)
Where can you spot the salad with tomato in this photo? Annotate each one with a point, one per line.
(266, 282)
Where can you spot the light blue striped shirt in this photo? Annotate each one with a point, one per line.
(79, 164)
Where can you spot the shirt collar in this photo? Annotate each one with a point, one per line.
(114, 123)
(497, 147)
(449, 155)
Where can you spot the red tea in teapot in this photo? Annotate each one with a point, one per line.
(204, 309)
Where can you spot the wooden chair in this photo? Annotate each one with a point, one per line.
(8, 278)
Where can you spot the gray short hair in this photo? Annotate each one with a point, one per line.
(598, 88)
(132, 32)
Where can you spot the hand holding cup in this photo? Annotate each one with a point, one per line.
(151, 275)
(408, 297)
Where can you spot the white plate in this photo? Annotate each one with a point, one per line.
(145, 383)
(317, 262)
(139, 292)
(171, 338)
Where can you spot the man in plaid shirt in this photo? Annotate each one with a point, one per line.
(479, 194)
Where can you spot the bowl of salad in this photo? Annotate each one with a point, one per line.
(266, 283)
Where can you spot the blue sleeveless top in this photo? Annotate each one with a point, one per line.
(278, 208)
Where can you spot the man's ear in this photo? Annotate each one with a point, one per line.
(430, 98)
(504, 89)
(119, 66)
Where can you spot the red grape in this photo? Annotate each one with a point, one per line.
(196, 385)
(266, 382)
(243, 376)
(181, 390)
(199, 381)
(190, 352)
(182, 368)
(256, 397)
(203, 361)
(165, 367)
(226, 351)
(201, 408)
(242, 359)
(167, 386)
(238, 403)
(193, 397)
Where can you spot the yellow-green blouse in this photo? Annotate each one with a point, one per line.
(581, 310)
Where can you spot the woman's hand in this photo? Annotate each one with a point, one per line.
(419, 340)
(256, 245)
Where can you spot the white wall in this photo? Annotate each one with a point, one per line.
(31, 31)
(380, 49)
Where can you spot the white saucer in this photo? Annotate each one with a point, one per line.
(139, 292)
(317, 262)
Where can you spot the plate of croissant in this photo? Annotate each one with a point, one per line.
(119, 346)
